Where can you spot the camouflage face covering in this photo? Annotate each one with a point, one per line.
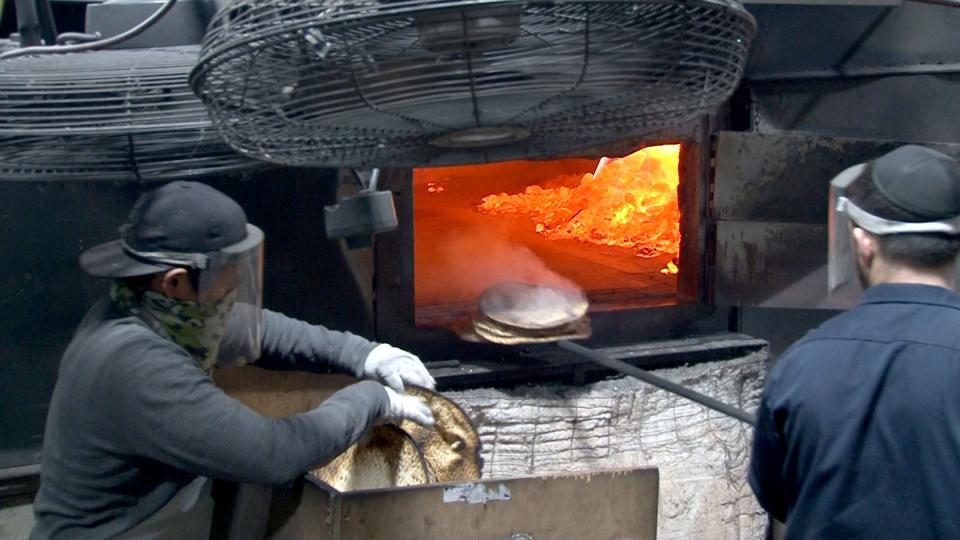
(196, 327)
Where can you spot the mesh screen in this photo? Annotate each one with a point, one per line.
(107, 115)
(419, 82)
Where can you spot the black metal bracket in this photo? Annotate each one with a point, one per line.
(35, 23)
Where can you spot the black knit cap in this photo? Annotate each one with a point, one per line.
(179, 217)
(919, 180)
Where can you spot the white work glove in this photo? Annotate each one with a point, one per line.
(395, 367)
(404, 407)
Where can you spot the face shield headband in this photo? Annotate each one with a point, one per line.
(196, 261)
(234, 271)
(880, 226)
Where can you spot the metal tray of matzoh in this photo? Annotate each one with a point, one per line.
(487, 330)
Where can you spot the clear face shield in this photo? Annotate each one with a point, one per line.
(843, 282)
(237, 271)
(230, 285)
(843, 274)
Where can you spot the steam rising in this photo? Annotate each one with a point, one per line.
(476, 260)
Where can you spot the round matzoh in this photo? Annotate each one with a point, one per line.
(451, 448)
(408, 454)
(534, 307)
(387, 457)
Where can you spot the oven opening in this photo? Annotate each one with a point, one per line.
(610, 227)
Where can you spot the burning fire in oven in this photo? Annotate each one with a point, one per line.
(609, 227)
(629, 202)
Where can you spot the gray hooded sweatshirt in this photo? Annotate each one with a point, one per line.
(134, 419)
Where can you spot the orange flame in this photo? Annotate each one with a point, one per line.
(629, 202)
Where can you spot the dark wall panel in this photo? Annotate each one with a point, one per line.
(785, 177)
(43, 295)
(921, 107)
(877, 72)
(819, 39)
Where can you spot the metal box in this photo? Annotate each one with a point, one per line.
(602, 505)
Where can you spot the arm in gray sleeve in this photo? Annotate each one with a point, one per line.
(296, 345)
(169, 410)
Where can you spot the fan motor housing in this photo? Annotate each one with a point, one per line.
(472, 28)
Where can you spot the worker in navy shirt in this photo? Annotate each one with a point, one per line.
(858, 430)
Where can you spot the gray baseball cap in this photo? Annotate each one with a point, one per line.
(177, 218)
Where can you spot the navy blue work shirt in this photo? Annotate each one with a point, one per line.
(858, 431)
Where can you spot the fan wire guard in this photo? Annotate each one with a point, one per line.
(408, 83)
(108, 115)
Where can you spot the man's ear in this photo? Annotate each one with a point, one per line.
(175, 283)
(867, 246)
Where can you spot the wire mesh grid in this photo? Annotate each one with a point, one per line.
(140, 157)
(419, 82)
(107, 115)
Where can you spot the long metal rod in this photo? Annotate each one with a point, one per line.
(659, 382)
(945, 68)
(15, 473)
(948, 3)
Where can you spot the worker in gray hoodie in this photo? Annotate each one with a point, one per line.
(137, 429)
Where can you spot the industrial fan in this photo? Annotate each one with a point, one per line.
(115, 114)
(428, 82)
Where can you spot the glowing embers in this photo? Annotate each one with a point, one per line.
(629, 202)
